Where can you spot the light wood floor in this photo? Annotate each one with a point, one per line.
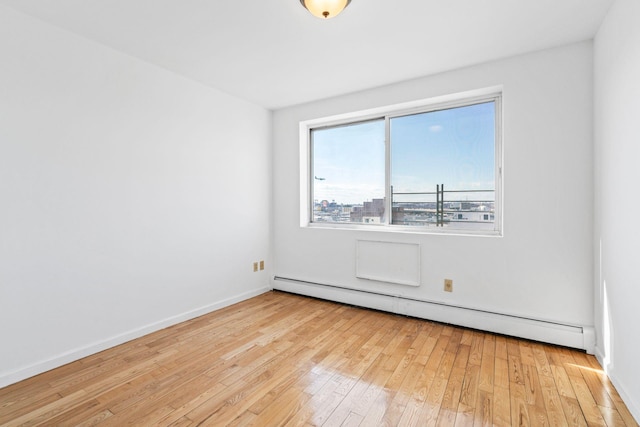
(284, 359)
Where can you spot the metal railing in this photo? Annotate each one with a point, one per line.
(468, 209)
(443, 209)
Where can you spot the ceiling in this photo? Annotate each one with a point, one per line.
(275, 54)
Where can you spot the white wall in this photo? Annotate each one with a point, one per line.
(617, 241)
(542, 267)
(131, 198)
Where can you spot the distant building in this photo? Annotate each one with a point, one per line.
(474, 216)
(398, 216)
(373, 211)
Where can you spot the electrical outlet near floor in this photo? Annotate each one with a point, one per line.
(448, 285)
(261, 265)
(255, 267)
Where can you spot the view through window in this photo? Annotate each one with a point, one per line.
(439, 169)
(349, 173)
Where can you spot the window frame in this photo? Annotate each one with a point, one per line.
(387, 113)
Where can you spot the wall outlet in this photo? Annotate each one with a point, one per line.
(255, 267)
(261, 265)
(448, 285)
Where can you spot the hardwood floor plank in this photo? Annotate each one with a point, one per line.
(533, 391)
(470, 386)
(468, 396)
(361, 371)
(484, 409)
(562, 382)
(467, 337)
(353, 420)
(501, 407)
(611, 416)
(404, 404)
(603, 392)
(48, 411)
(623, 410)
(517, 392)
(451, 397)
(570, 405)
(284, 407)
(487, 365)
(14, 409)
(587, 403)
(420, 396)
(477, 346)
(572, 411)
(88, 421)
(283, 359)
(552, 403)
(438, 387)
(501, 347)
(526, 353)
(541, 360)
(501, 373)
(83, 413)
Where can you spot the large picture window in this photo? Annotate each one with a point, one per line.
(434, 168)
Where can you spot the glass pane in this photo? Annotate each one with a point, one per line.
(348, 173)
(453, 149)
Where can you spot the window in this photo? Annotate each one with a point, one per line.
(348, 173)
(436, 167)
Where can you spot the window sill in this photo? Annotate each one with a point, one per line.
(437, 231)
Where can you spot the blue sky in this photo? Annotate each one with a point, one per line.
(454, 147)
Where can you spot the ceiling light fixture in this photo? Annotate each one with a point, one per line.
(325, 8)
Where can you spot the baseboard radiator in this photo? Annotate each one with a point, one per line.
(575, 336)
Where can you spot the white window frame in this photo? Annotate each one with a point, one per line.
(493, 94)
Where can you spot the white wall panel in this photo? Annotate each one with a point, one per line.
(131, 197)
(617, 240)
(542, 267)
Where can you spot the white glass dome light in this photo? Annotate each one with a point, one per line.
(325, 8)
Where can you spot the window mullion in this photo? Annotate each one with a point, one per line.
(387, 171)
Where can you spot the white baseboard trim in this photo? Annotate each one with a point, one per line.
(632, 406)
(580, 337)
(78, 353)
